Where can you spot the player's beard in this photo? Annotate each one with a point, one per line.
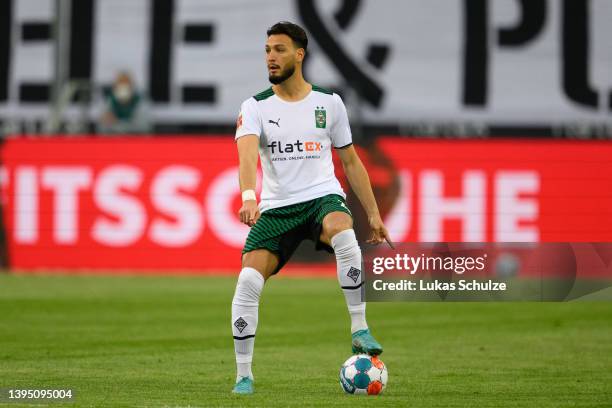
(283, 76)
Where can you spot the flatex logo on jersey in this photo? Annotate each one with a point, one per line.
(280, 150)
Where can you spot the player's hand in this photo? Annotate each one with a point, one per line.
(379, 231)
(249, 213)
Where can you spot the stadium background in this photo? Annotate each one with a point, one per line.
(430, 87)
(478, 120)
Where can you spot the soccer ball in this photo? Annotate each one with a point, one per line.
(363, 374)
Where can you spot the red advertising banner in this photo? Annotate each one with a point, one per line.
(170, 204)
(137, 203)
(500, 191)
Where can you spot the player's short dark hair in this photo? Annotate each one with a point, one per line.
(294, 31)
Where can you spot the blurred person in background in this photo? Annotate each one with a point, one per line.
(125, 108)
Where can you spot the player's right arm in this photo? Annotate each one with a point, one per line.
(248, 155)
(248, 130)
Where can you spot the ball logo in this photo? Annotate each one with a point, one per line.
(350, 388)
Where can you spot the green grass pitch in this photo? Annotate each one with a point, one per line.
(166, 341)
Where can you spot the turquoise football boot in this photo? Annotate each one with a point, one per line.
(244, 386)
(364, 343)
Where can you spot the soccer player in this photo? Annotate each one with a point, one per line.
(293, 126)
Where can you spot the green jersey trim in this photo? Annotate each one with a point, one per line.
(264, 94)
(317, 88)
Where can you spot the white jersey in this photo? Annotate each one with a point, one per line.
(295, 144)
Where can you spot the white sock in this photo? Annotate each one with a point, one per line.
(350, 276)
(245, 307)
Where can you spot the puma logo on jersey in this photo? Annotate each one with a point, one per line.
(276, 123)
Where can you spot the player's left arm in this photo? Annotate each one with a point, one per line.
(359, 180)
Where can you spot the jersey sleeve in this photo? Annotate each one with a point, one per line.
(249, 121)
(341, 130)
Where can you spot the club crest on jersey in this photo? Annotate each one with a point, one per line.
(320, 117)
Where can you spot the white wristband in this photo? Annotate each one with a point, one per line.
(248, 195)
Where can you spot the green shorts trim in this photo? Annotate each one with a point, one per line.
(281, 230)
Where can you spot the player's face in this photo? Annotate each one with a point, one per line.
(281, 56)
